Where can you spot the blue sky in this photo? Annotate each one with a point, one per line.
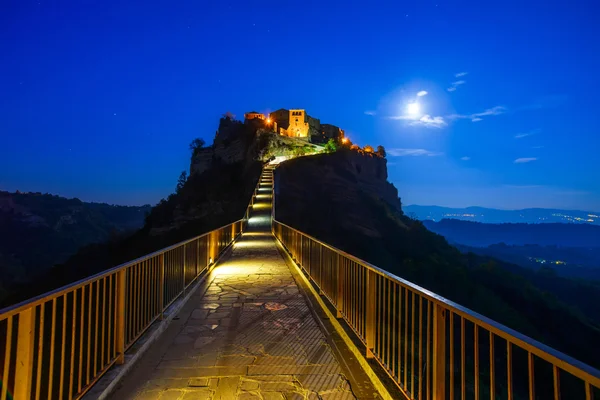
(100, 99)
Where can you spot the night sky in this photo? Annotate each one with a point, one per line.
(100, 99)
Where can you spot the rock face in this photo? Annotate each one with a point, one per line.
(234, 142)
(341, 179)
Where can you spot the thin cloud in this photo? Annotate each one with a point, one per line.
(455, 85)
(425, 120)
(461, 74)
(422, 93)
(465, 158)
(429, 121)
(372, 113)
(537, 147)
(525, 160)
(525, 134)
(497, 110)
(412, 153)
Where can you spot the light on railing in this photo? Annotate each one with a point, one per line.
(210, 260)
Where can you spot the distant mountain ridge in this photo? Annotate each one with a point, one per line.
(496, 216)
(39, 230)
(482, 235)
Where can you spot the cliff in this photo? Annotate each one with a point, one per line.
(345, 179)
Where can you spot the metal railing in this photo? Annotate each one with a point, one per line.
(57, 345)
(431, 347)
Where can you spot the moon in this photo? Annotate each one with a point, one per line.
(413, 108)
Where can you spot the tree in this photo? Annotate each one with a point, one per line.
(181, 181)
(331, 146)
(196, 145)
(229, 115)
(381, 151)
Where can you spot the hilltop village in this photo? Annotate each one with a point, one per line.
(283, 133)
(298, 124)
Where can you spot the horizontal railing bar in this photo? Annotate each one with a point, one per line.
(44, 297)
(561, 360)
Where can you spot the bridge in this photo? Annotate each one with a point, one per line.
(259, 310)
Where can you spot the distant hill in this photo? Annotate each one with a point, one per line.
(495, 216)
(482, 235)
(39, 230)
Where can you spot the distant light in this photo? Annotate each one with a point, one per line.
(344, 140)
(413, 108)
(268, 120)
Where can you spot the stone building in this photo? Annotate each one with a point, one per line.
(329, 131)
(253, 115)
(294, 123)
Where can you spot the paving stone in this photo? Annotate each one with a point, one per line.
(272, 396)
(198, 394)
(172, 394)
(277, 386)
(248, 396)
(249, 385)
(148, 395)
(198, 382)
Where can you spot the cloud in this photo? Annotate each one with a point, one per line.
(421, 93)
(525, 160)
(460, 74)
(497, 110)
(412, 152)
(465, 158)
(370, 113)
(455, 85)
(425, 120)
(525, 134)
(429, 121)
(537, 147)
(491, 111)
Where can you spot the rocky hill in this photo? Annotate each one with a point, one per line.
(344, 200)
(38, 231)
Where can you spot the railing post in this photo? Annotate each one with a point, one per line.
(439, 352)
(25, 341)
(371, 299)
(197, 257)
(120, 322)
(183, 269)
(340, 288)
(320, 269)
(161, 287)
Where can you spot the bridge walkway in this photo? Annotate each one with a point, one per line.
(248, 333)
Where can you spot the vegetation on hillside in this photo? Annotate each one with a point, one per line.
(39, 230)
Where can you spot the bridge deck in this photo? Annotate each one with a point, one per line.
(248, 333)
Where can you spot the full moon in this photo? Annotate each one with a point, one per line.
(413, 108)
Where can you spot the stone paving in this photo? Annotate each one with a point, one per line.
(248, 334)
